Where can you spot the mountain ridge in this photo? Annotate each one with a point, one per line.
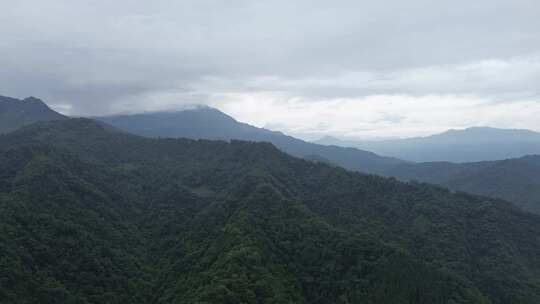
(210, 123)
(515, 180)
(472, 144)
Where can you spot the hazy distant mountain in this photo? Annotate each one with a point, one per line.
(15, 113)
(210, 123)
(468, 145)
(516, 180)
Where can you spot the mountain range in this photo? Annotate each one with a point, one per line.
(515, 180)
(89, 214)
(210, 123)
(468, 145)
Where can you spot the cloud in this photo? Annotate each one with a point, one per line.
(103, 57)
(377, 116)
(491, 77)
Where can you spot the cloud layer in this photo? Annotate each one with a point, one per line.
(390, 68)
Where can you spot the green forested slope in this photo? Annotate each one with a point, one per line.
(88, 215)
(516, 180)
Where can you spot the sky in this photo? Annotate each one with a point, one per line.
(309, 68)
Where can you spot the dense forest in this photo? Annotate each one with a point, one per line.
(92, 215)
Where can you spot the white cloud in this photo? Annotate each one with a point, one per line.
(515, 76)
(378, 115)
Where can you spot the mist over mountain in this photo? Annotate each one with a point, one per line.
(210, 123)
(15, 113)
(468, 145)
(92, 215)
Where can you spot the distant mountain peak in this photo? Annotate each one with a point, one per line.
(32, 99)
(472, 144)
(210, 123)
(486, 131)
(483, 129)
(15, 113)
(198, 108)
(36, 103)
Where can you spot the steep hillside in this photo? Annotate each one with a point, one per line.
(90, 215)
(15, 113)
(209, 123)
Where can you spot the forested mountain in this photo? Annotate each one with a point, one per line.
(513, 180)
(91, 215)
(15, 113)
(468, 145)
(210, 123)
(516, 180)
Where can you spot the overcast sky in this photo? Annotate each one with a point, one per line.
(305, 67)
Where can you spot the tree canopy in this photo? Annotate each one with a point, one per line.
(92, 215)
